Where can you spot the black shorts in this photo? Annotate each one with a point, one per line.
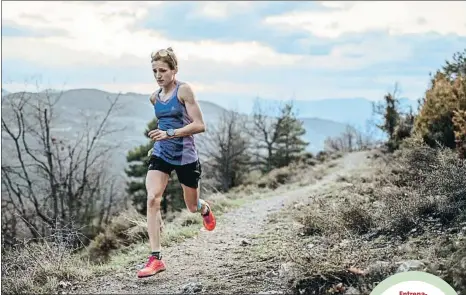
(188, 174)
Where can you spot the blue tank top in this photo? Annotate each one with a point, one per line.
(172, 114)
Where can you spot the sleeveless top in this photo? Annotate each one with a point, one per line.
(172, 114)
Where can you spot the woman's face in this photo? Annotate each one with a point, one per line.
(162, 73)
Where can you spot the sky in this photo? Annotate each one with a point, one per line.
(237, 50)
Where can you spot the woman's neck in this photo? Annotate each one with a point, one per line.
(169, 87)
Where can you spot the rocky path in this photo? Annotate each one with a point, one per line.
(219, 261)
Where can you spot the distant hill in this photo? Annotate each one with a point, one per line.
(135, 111)
(317, 130)
(355, 111)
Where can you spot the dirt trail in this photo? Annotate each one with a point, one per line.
(218, 261)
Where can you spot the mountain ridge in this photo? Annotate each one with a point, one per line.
(136, 111)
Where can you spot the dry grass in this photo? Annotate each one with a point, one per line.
(304, 171)
(48, 268)
(41, 268)
(130, 228)
(412, 206)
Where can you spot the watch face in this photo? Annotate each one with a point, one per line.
(170, 132)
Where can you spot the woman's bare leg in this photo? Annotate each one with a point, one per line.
(195, 204)
(191, 199)
(156, 182)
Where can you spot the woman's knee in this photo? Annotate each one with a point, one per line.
(154, 199)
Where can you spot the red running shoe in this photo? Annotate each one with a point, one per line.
(209, 219)
(152, 267)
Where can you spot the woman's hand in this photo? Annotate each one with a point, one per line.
(158, 135)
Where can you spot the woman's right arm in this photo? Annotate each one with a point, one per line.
(152, 101)
(152, 98)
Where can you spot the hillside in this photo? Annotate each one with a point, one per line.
(325, 231)
(234, 260)
(317, 130)
(131, 116)
(134, 112)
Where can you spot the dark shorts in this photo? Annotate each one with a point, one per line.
(188, 174)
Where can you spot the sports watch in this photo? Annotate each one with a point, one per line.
(171, 132)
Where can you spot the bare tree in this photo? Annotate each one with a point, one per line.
(350, 140)
(51, 181)
(226, 147)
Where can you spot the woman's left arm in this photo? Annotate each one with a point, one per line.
(186, 95)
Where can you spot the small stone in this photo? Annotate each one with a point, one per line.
(352, 291)
(378, 267)
(410, 265)
(405, 248)
(191, 288)
(286, 269)
(245, 242)
(63, 284)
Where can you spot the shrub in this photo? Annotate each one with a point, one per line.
(444, 104)
(41, 267)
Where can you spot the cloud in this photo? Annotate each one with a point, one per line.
(219, 10)
(243, 55)
(111, 34)
(394, 17)
(224, 56)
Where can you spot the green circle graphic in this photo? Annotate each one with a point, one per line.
(420, 276)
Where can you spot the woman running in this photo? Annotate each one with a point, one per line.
(179, 118)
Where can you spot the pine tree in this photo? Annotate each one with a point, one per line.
(403, 128)
(138, 160)
(459, 121)
(391, 117)
(456, 67)
(278, 136)
(289, 143)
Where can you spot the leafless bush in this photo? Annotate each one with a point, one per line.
(227, 149)
(43, 266)
(52, 180)
(351, 140)
(126, 228)
(436, 177)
